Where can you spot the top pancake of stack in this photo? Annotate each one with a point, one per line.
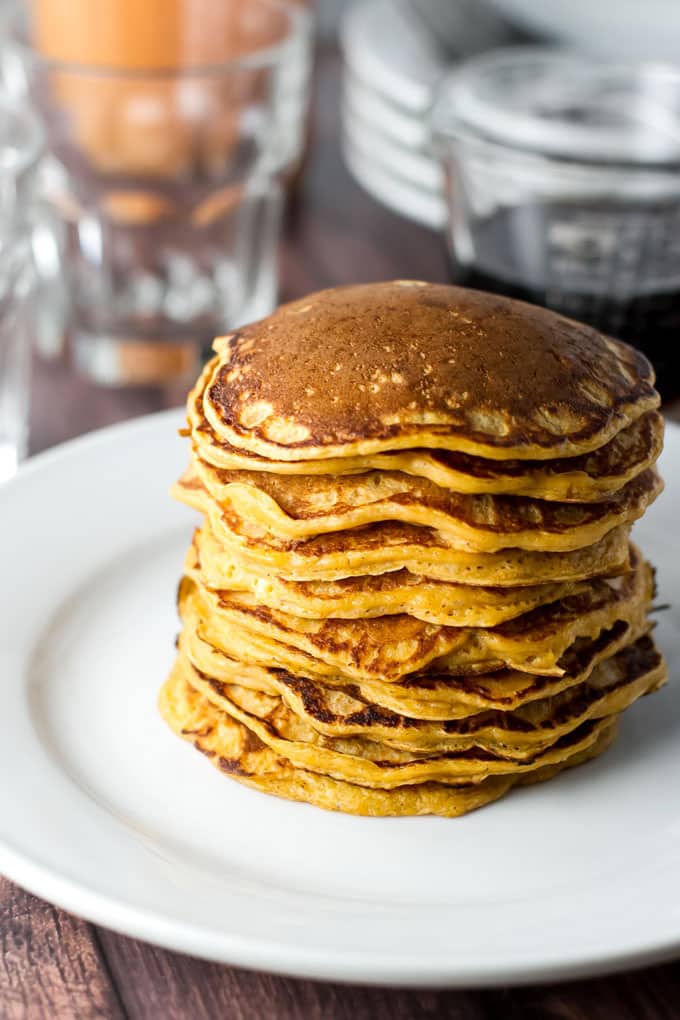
(358, 371)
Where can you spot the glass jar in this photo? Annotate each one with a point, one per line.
(563, 188)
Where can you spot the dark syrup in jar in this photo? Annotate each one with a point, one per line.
(615, 268)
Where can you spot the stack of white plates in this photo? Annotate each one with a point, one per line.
(394, 53)
(390, 71)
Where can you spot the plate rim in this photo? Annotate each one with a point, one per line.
(93, 436)
(285, 960)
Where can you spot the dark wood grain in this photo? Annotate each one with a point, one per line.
(651, 994)
(155, 984)
(51, 964)
(55, 967)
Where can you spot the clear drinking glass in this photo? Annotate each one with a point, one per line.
(563, 186)
(171, 127)
(20, 150)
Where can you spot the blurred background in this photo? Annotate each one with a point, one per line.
(172, 169)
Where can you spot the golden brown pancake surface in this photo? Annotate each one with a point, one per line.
(584, 478)
(390, 647)
(402, 364)
(394, 545)
(302, 507)
(379, 766)
(351, 598)
(335, 720)
(429, 695)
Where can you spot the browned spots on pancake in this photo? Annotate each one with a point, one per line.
(217, 685)
(584, 650)
(626, 454)
(641, 442)
(251, 741)
(363, 642)
(628, 666)
(204, 731)
(308, 692)
(597, 595)
(233, 766)
(481, 755)
(625, 668)
(191, 482)
(316, 707)
(374, 715)
(577, 661)
(370, 361)
(567, 740)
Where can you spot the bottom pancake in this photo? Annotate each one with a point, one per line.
(234, 749)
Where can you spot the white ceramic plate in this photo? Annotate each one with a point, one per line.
(408, 130)
(401, 196)
(384, 47)
(417, 168)
(107, 814)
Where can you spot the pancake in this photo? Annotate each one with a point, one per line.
(434, 696)
(438, 602)
(360, 370)
(376, 765)
(412, 588)
(236, 751)
(299, 507)
(390, 647)
(587, 478)
(381, 548)
(334, 723)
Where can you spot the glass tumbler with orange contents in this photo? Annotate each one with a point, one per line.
(171, 126)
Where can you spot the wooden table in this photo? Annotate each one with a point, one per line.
(55, 966)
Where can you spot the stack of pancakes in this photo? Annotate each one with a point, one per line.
(413, 587)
